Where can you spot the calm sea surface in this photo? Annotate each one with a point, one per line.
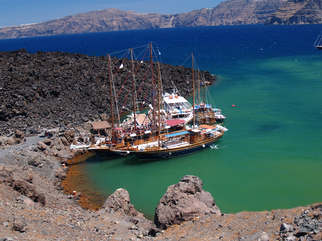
(271, 157)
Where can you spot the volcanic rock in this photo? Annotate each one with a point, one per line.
(11, 141)
(184, 201)
(48, 142)
(3, 140)
(286, 228)
(64, 141)
(307, 226)
(19, 134)
(41, 146)
(52, 91)
(69, 135)
(119, 201)
(60, 174)
(28, 190)
(36, 162)
(21, 186)
(19, 226)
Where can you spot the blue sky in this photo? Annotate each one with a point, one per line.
(15, 12)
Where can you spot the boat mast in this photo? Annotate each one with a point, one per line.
(116, 105)
(134, 89)
(199, 83)
(111, 95)
(193, 92)
(153, 90)
(159, 103)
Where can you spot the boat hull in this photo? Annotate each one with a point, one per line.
(169, 153)
(106, 151)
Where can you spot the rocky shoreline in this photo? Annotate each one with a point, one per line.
(33, 204)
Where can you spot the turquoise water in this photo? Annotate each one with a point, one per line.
(271, 156)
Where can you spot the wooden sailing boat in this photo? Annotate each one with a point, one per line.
(141, 136)
(205, 113)
(115, 140)
(154, 139)
(169, 144)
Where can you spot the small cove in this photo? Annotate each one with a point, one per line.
(264, 161)
(270, 157)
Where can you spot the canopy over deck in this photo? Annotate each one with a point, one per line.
(100, 125)
(175, 122)
(177, 134)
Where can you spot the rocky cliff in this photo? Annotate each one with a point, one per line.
(230, 12)
(298, 12)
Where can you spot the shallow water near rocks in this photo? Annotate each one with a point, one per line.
(271, 156)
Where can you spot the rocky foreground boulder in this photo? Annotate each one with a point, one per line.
(184, 201)
(119, 201)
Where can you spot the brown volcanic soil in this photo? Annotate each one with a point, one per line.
(44, 90)
(303, 223)
(76, 180)
(33, 207)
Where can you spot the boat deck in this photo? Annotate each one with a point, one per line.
(177, 145)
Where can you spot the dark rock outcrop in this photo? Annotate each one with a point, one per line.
(184, 201)
(119, 201)
(47, 90)
(307, 226)
(231, 12)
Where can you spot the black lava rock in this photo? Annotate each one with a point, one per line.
(54, 89)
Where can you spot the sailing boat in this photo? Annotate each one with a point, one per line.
(205, 113)
(153, 135)
(115, 139)
(318, 42)
(169, 144)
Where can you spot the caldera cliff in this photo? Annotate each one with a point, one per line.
(230, 12)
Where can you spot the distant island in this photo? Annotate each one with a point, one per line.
(230, 12)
